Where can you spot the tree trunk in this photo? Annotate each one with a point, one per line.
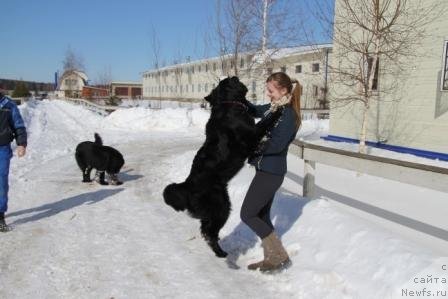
(363, 135)
(264, 42)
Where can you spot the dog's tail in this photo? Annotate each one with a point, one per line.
(98, 139)
(176, 196)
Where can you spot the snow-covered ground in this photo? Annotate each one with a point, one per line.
(75, 240)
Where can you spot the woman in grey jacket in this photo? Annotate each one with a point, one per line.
(270, 163)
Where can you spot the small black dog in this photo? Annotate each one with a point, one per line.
(91, 155)
(231, 136)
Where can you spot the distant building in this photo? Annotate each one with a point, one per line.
(35, 88)
(195, 79)
(71, 84)
(94, 92)
(131, 90)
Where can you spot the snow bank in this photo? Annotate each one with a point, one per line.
(142, 119)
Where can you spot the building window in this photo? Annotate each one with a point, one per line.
(206, 67)
(242, 63)
(315, 67)
(192, 88)
(315, 91)
(269, 70)
(206, 87)
(375, 77)
(214, 66)
(199, 68)
(283, 69)
(254, 86)
(298, 69)
(121, 91)
(445, 67)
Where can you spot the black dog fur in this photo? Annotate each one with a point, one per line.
(231, 136)
(91, 155)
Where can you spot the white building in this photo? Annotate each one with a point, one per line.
(71, 83)
(195, 79)
(418, 121)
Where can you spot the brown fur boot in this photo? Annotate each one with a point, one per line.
(275, 256)
(257, 265)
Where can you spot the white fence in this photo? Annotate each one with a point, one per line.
(101, 109)
(426, 221)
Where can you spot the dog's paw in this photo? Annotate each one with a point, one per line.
(221, 253)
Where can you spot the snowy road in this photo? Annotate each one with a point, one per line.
(74, 240)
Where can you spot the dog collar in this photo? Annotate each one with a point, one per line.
(236, 103)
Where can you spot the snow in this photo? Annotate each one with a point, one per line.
(75, 240)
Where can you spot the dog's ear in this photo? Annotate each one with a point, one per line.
(212, 98)
(234, 80)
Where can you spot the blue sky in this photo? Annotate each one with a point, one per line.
(107, 34)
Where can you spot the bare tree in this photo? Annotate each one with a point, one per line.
(104, 77)
(73, 61)
(279, 24)
(156, 59)
(372, 37)
(234, 32)
(250, 32)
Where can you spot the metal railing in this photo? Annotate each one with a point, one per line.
(432, 177)
(419, 214)
(101, 109)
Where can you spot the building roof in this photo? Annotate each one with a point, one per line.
(273, 53)
(125, 83)
(78, 73)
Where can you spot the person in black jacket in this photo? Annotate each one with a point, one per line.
(11, 127)
(270, 164)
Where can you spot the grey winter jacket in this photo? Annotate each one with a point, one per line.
(272, 158)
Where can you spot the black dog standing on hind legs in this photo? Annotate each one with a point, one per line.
(231, 136)
(104, 159)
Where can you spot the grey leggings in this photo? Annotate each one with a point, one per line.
(256, 208)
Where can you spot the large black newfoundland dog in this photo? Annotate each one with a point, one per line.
(231, 136)
(104, 159)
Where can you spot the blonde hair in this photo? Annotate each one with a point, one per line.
(284, 81)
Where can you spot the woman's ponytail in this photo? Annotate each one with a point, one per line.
(295, 101)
